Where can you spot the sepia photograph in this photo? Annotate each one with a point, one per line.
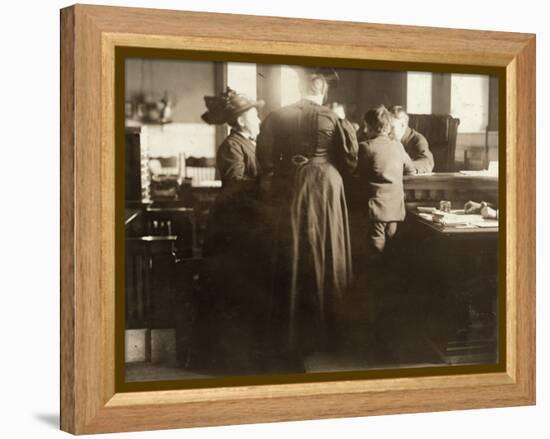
(299, 219)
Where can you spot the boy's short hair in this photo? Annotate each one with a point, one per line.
(378, 120)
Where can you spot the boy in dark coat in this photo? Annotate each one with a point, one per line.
(382, 163)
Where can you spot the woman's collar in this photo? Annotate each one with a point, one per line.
(317, 99)
(242, 134)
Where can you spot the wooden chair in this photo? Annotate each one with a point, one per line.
(440, 130)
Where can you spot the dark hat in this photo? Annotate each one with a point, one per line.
(227, 106)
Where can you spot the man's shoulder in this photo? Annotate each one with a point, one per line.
(417, 137)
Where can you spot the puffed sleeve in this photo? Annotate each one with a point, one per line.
(347, 148)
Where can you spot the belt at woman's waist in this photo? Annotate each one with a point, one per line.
(300, 159)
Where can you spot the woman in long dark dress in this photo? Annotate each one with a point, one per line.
(232, 303)
(303, 149)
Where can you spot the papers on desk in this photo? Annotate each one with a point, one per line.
(456, 218)
(451, 219)
(426, 216)
(426, 209)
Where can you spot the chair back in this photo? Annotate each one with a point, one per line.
(440, 130)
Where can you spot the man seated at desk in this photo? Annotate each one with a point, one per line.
(415, 143)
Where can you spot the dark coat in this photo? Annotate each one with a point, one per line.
(236, 206)
(236, 159)
(306, 148)
(382, 163)
(418, 149)
(233, 302)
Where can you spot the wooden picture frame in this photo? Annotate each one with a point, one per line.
(89, 38)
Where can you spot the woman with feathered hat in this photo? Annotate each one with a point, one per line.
(232, 307)
(236, 156)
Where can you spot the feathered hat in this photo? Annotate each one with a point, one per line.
(227, 106)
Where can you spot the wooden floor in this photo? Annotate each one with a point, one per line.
(397, 346)
(315, 362)
(398, 318)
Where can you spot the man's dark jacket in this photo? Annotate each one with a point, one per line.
(418, 149)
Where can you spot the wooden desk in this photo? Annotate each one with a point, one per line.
(456, 272)
(453, 231)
